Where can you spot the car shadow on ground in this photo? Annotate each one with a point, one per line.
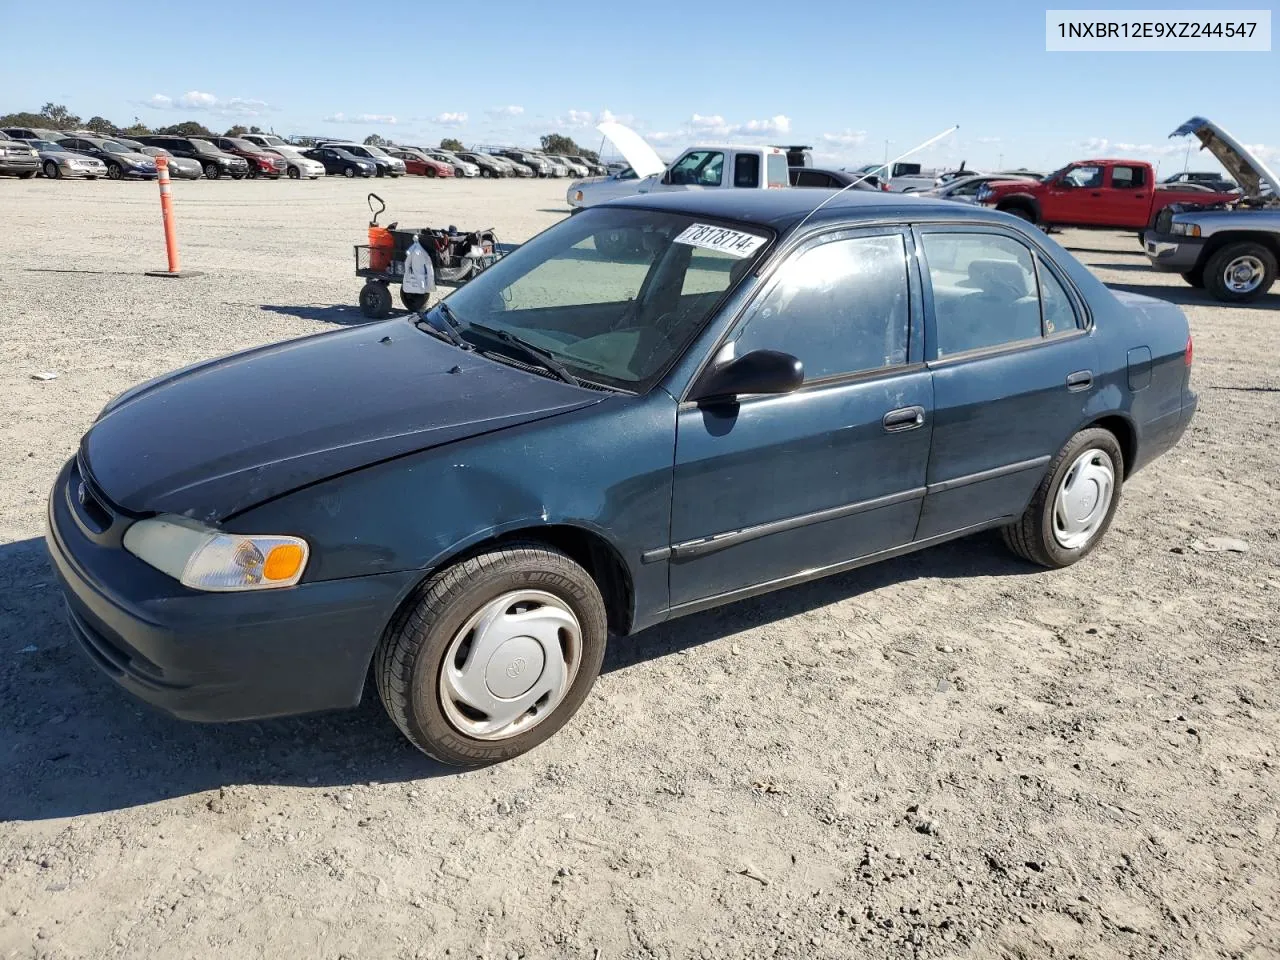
(1120, 266)
(1186, 296)
(343, 314)
(1137, 252)
(76, 744)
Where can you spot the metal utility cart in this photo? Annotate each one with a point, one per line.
(456, 257)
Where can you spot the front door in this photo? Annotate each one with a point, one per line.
(1013, 373)
(1076, 196)
(772, 487)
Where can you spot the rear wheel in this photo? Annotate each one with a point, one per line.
(52, 170)
(212, 171)
(1240, 272)
(1073, 506)
(493, 655)
(375, 300)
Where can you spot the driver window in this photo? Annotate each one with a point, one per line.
(841, 308)
(1088, 176)
(698, 168)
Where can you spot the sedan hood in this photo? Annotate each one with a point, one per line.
(631, 145)
(218, 437)
(1251, 173)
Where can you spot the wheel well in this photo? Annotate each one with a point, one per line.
(1219, 240)
(1124, 433)
(1020, 203)
(590, 551)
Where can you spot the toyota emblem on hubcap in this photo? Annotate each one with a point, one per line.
(516, 667)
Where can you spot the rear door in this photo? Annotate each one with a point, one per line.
(1127, 196)
(774, 487)
(1013, 367)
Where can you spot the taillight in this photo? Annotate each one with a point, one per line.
(1189, 353)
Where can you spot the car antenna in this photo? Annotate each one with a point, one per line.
(884, 167)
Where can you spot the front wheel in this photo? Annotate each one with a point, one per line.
(493, 655)
(295, 173)
(485, 173)
(1073, 506)
(349, 172)
(52, 170)
(1195, 277)
(114, 172)
(1240, 272)
(1022, 213)
(212, 171)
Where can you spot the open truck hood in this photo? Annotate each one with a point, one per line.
(1252, 174)
(644, 161)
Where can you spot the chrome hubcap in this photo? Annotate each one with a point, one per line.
(1243, 274)
(510, 665)
(1083, 500)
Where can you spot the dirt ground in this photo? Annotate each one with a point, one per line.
(947, 755)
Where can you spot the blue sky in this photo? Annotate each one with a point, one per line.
(840, 77)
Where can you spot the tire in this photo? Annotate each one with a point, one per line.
(431, 172)
(485, 173)
(1082, 464)
(240, 175)
(1022, 213)
(1225, 272)
(429, 643)
(413, 302)
(349, 172)
(212, 171)
(52, 170)
(114, 172)
(1195, 277)
(380, 172)
(295, 173)
(375, 300)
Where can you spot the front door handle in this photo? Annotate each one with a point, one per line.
(1096, 193)
(1080, 380)
(903, 419)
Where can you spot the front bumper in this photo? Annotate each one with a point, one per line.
(212, 656)
(1170, 253)
(18, 165)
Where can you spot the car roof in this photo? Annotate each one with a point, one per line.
(782, 210)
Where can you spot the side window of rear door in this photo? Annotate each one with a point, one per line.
(746, 170)
(984, 291)
(842, 306)
(1128, 178)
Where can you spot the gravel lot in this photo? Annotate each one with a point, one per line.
(950, 754)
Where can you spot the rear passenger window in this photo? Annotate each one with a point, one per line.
(841, 307)
(984, 291)
(746, 170)
(1127, 178)
(808, 178)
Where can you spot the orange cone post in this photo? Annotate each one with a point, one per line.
(170, 229)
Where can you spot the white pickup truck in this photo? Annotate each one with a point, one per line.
(702, 167)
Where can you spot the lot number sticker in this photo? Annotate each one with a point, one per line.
(733, 242)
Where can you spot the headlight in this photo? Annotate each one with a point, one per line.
(203, 558)
(1185, 230)
(577, 196)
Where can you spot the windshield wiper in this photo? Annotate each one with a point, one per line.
(448, 330)
(539, 355)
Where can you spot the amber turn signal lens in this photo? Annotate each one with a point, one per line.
(282, 562)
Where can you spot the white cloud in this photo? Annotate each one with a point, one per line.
(383, 118)
(1263, 152)
(450, 119)
(663, 136)
(1152, 150)
(987, 140)
(1095, 144)
(717, 126)
(760, 128)
(199, 101)
(511, 110)
(849, 138)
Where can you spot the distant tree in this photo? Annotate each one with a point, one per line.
(588, 154)
(188, 128)
(256, 130)
(135, 129)
(24, 119)
(558, 143)
(236, 131)
(101, 125)
(58, 117)
(373, 140)
(451, 144)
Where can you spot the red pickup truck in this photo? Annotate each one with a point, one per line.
(1095, 193)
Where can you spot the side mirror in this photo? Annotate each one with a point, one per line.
(760, 371)
(1064, 183)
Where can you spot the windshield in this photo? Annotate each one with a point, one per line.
(376, 151)
(286, 151)
(112, 147)
(204, 146)
(614, 294)
(46, 145)
(248, 146)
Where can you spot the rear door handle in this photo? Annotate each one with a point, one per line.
(903, 419)
(1080, 380)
